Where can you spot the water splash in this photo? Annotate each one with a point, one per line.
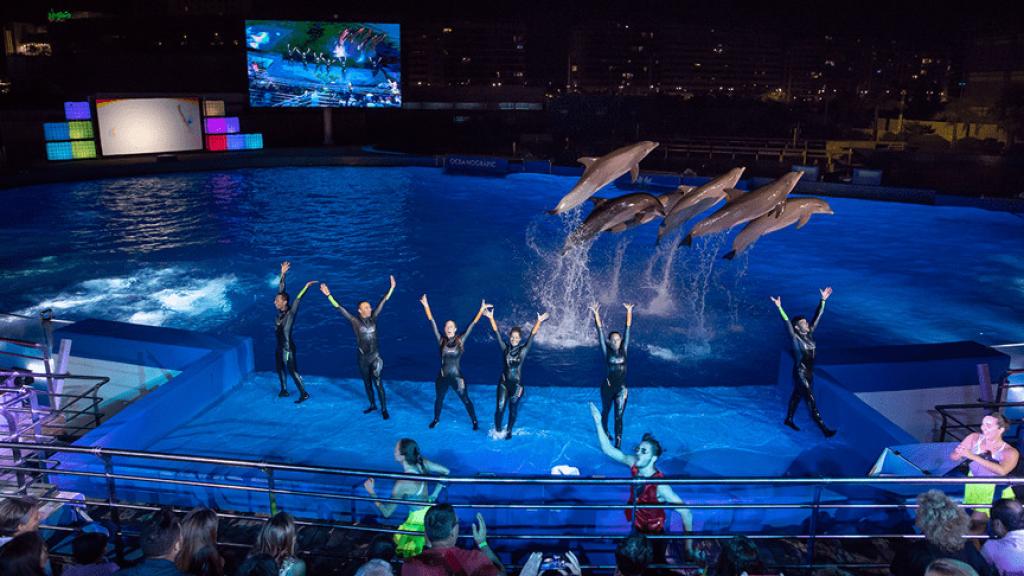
(563, 286)
(663, 301)
(611, 295)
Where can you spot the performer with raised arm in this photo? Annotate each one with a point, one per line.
(283, 325)
(614, 391)
(804, 350)
(510, 386)
(641, 464)
(452, 345)
(370, 363)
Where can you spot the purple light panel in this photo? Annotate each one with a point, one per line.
(222, 125)
(77, 111)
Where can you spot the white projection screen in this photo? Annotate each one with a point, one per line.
(148, 125)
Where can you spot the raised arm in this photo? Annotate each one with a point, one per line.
(789, 325)
(825, 293)
(426, 308)
(285, 267)
(327, 292)
(489, 313)
(600, 330)
(380, 305)
(606, 446)
(479, 313)
(629, 323)
(295, 303)
(480, 537)
(536, 328)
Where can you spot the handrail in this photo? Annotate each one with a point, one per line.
(947, 416)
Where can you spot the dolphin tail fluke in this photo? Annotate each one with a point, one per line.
(688, 241)
(730, 255)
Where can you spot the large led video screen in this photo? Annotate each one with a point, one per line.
(149, 125)
(323, 64)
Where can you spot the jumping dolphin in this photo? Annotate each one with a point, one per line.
(699, 200)
(667, 201)
(604, 170)
(612, 213)
(796, 210)
(742, 208)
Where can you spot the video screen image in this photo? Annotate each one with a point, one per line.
(323, 64)
(149, 125)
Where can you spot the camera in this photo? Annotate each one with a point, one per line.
(555, 562)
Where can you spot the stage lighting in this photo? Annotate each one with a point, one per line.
(56, 131)
(77, 111)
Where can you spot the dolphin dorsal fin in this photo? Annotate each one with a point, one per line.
(804, 220)
(779, 209)
(635, 172)
(732, 194)
(587, 160)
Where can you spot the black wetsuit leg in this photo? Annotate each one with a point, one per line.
(291, 364)
(371, 369)
(459, 385)
(499, 407)
(803, 388)
(440, 391)
(514, 396)
(281, 374)
(621, 396)
(607, 399)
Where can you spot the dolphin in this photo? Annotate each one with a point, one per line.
(612, 213)
(603, 171)
(742, 208)
(699, 200)
(796, 210)
(667, 201)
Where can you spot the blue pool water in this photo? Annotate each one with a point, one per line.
(201, 251)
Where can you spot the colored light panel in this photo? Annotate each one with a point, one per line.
(58, 151)
(222, 125)
(216, 142)
(253, 141)
(81, 130)
(213, 107)
(233, 127)
(77, 111)
(236, 141)
(56, 131)
(83, 149)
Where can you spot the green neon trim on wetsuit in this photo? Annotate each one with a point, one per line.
(783, 312)
(333, 301)
(302, 292)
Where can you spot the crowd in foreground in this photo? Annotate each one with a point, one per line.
(188, 547)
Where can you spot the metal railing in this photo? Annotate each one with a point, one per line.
(813, 505)
(952, 425)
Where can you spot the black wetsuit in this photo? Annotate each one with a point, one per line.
(285, 353)
(368, 357)
(510, 387)
(614, 391)
(804, 350)
(450, 375)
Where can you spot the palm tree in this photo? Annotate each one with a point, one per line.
(957, 112)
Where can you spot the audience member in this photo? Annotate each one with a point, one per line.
(258, 565)
(633, 555)
(442, 558)
(161, 542)
(375, 567)
(278, 539)
(949, 567)
(198, 555)
(24, 555)
(1006, 551)
(89, 551)
(739, 556)
(943, 524)
(17, 516)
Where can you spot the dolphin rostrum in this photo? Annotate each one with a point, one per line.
(603, 171)
(612, 213)
(742, 208)
(698, 200)
(796, 210)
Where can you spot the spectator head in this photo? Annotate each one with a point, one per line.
(633, 554)
(441, 526)
(941, 521)
(949, 567)
(1007, 516)
(161, 538)
(994, 426)
(739, 555)
(18, 515)
(381, 548)
(277, 538)
(24, 555)
(198, 533)
(258, 565)
(407, 451)
(375, 567)
(89, 547)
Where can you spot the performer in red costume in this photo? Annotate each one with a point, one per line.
(641, 463)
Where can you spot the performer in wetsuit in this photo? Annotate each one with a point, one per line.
(642, 465)
(450, 375)
(407, 453)
(804, 348)
(285, 353)
(614, 391)
(370, 362)
(510, 387)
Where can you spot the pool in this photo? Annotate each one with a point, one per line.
(201, 251)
